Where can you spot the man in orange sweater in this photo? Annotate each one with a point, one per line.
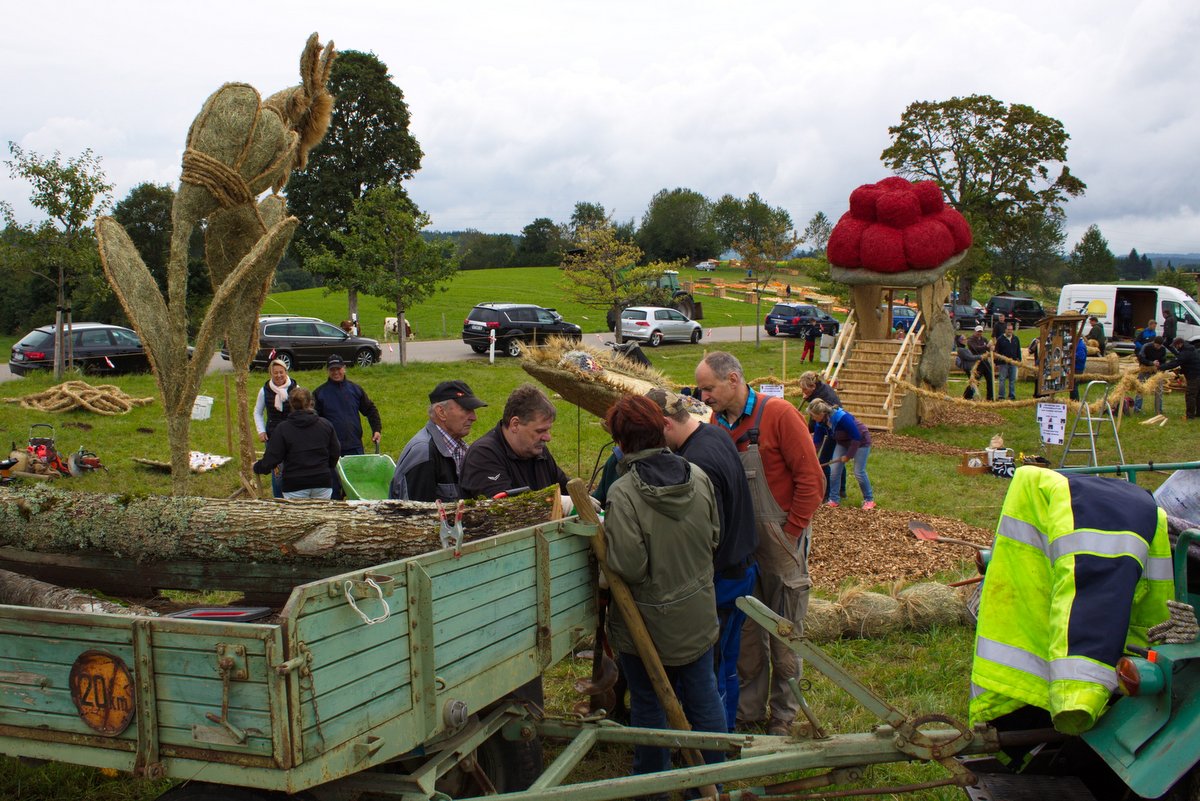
(775, 445)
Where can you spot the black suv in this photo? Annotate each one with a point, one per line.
(795, 318)
(1014, 310)
(97, 348)
(308, 342)
(513, 323)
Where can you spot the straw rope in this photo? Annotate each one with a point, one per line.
(223, 182)
(105, 399)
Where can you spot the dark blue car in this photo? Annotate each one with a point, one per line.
(793, 319)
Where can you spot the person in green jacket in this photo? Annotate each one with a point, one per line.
(662, 525)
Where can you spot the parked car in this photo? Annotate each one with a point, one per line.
(793, 319)
(1014, 309)
(656, 324)
(902, 317)
(97, 349)
(965, 317)
(707, 265)
(513, 323)
(308, 342)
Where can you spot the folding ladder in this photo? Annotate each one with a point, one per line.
(1094, 423)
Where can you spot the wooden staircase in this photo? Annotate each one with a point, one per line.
(862, 385)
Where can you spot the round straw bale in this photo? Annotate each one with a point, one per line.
(870, 614)
(825, 621)
(929, 604)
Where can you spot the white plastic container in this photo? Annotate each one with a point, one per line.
(202, 408)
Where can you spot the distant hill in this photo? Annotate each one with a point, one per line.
(1189, 261)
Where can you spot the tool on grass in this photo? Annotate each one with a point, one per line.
(452, 535)
(923, 531)
(599, 687)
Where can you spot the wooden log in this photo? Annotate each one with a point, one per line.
(45, 519)
(18, 590)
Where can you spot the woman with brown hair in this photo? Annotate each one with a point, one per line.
(306, 447)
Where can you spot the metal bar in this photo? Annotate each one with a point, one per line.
(420, 647)
(542, 564)
(277, 693)
(558, 770)
(147, 761)
(295, 717)
(1129, 468)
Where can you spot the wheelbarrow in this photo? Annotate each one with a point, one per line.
(366, 476)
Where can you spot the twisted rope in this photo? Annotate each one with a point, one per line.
(223, 182)
(105, 399)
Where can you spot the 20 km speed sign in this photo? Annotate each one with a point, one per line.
(102, 689)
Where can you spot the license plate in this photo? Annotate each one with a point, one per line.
(477, 326)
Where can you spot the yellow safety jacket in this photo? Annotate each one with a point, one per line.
(1081, 566)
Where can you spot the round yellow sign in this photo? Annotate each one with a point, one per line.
(102, 689)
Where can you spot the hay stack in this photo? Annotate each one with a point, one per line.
(593, 390)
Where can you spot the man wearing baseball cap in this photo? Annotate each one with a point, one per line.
(430, 464)
(341, 402)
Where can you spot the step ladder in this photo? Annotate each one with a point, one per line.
(1094, 423)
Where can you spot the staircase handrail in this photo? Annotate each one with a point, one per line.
(902, 364)
(841, 348)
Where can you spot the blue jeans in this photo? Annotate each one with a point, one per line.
(836, 468)
(1006, 373)
(320, 493)
(729, 642)
(696, 686)
(276, 484)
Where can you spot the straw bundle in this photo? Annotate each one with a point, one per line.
(871, 614)
(825, 621)
(860, 613)
(927, 605)
(596, 388)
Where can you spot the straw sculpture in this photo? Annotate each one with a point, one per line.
(237, 148)
(105, 399)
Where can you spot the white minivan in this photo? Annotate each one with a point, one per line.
(1126, 308)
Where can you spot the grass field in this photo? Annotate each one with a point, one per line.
(919, 672)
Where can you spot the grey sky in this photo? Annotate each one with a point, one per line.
(524, 108)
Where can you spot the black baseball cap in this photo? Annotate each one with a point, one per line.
(335, 361)
(457, 391)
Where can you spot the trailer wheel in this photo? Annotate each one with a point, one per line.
(508, 766)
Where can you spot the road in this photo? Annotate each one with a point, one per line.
(453, 350)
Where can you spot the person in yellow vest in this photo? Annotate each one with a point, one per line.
(1080, 568)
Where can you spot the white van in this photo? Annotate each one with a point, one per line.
(1125, 309)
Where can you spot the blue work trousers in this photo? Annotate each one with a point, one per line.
(729, 643)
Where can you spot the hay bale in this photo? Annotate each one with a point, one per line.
(929, 604)
(870, 614)
(825, 621)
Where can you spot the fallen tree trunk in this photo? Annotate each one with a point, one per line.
(18, 590)
(45, 519)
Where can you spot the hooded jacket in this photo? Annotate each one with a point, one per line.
(306, 446)
(662, 527)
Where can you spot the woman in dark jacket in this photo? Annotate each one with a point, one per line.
(815, 389)
(852, 443)
(663, 526)
(966, 360)
(306, 447)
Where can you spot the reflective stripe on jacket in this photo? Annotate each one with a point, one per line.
(1081, 566)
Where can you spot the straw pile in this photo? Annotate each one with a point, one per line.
(596, 387)
(858, 613)
(105, 399)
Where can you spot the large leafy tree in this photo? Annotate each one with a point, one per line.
(604, 273)
(678, 224)
(368, 145)
(542, 244)
(993, 161)
(479, 251)
(586, 215)
(1091, 259)
(382, 248)
(1030, 250)
(748, 221)
(71, 193)
(816, 233)
(762, 250)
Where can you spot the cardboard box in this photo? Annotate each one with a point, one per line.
(975, 463)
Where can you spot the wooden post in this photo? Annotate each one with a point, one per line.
(623, 598)
(783, 370)
(228, 418)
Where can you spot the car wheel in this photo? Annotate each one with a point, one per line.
(364, 358)
(479, 348)
(286, 358)
(772, 332)
(512, 346)
(696, 335)
(655, 339)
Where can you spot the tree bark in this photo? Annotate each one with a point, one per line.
(43, 519)
(18, 590)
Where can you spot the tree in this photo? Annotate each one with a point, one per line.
(541, 244)
(678, 224)
(480, 251)
(586, 215)
(368, 145)
(1029, 250)
(816, 233)
(383, 249)
(992, 161)
(1091, 260)
(70, 194)
(747, 221)
(1134, 267)
(604, 273)
(771, 244)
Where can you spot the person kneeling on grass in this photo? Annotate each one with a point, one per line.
(306, 447)
(853, 442)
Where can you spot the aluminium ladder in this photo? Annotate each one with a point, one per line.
(1094, 421)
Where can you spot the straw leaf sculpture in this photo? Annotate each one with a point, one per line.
(238, 147)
